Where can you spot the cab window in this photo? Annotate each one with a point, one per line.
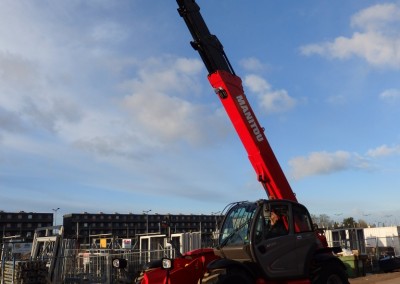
(301, 220)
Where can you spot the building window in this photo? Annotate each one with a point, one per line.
(30, 216)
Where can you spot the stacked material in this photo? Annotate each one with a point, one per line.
(25, 272)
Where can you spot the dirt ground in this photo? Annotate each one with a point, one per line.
(383, 278)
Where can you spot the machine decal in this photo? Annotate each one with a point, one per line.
(250, 118)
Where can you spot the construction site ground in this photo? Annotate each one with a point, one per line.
(381, 278)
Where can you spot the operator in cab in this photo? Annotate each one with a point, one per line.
(277, 226)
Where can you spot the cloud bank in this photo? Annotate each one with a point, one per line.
(376, 38)
(325, 163)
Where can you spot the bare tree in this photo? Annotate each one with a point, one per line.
(322, 221)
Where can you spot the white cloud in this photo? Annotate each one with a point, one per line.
(384, 150)
(16, 72)
(166, 74)
(252, 64)
(109, 32)
(337, 99)
(26, 97)
(390, 94)
(270, 100)
(377, 17)
(377, 40)
(323, 163)
(69, 85)
(107, 134)
(66, 93)
(157, 114)
(318, 163)
(166, 117)
(160, 102)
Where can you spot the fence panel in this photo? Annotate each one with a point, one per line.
(96, 266)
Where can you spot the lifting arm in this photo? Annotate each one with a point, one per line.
(229, 88)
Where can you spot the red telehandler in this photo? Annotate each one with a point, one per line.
(251, 248)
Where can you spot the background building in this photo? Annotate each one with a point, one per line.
(83, 226)
(23, 224)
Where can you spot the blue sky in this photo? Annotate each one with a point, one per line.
(104, 106)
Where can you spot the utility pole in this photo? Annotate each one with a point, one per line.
(55, 215)
(147, 220)
(77, 231)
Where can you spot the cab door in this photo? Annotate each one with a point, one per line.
(286, 255)
(306, 240)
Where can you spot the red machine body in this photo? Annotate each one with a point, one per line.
(188, 268)
(229, 88)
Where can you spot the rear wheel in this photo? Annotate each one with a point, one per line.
(235, 277)
(331, 273)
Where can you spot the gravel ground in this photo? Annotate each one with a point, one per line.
(382, 278)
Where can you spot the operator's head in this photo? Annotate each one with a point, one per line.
(274, 217)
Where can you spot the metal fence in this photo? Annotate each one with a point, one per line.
(78, 266)
(95, 266)
(83, 266)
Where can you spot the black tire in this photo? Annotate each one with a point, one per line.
(235, 277)
(331, 274)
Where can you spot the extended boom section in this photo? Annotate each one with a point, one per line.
(229, 88)
(208, 45)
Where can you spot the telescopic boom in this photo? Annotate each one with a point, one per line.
(229, 88)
